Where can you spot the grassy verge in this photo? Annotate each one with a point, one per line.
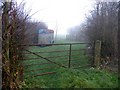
(69, 78)
(85, 77)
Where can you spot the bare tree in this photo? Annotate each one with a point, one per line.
(14, 21)
(102, 25)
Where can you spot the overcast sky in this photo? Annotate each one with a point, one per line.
(59, 14)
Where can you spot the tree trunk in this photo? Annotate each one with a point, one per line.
(118, 33)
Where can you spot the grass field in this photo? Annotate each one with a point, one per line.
(85, 77)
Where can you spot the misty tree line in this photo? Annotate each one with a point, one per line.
(75, 34)
(33, 28)
(101, 24)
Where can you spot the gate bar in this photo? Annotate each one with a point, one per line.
(45, 58)
(53, 44)
(43, 74)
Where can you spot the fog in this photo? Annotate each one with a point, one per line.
(59, 15)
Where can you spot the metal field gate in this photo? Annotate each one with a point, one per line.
(48, 58)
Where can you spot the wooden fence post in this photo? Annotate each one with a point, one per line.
(97, 53)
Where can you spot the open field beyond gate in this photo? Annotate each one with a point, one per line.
(47, 59)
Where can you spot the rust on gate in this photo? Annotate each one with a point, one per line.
(66, 59)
